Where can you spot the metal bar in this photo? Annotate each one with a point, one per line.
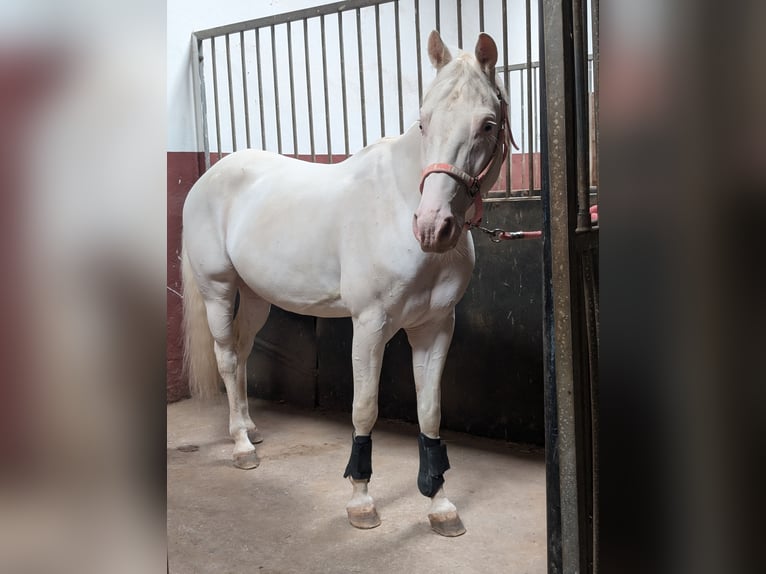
(550, 402)
(481, 15)
(596, 59)
(297, 15)
(380, 73)
(579, 35)
(276, 88)
(260, 86)
(231, 97)
(417, 49)
(438, 16)
(292, 86)
(343, 82)
(399, 67)
(200, 104)
(360, 55)
(535, 125)
(522, 67)
(308, 88)
(460, 24)
(530, 161)
(326, 90)
(591, 298)
(215, 99)
(244, 87)
(563, 381)
(507, 84)
(524, 158)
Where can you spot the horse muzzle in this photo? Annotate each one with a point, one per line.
(436, 233)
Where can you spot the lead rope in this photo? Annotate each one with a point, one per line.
(498, 235)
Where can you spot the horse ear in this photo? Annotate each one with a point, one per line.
(437, 51)
(486, 54)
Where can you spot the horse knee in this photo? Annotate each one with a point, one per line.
(364, 414)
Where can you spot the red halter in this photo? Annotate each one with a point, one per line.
(473, 184)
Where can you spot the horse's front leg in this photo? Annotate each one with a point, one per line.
(430, 343)
(371, 332)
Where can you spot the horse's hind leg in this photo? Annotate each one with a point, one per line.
(250, 318)
(430, 343)
(229, 347)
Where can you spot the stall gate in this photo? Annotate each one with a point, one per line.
(322, 83)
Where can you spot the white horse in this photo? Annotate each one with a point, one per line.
(381, 237)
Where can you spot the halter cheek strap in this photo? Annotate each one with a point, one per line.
(473, 184)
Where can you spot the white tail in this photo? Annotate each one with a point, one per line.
(199, 354)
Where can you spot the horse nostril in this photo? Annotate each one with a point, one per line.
(446, 229)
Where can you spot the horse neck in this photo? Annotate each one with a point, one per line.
(407, 165)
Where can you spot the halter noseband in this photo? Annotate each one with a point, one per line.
(473, 184)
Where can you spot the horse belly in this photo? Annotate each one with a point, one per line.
(293, 285)
(283, 245)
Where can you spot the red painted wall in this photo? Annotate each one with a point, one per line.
(183, 171)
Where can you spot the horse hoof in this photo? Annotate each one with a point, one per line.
(247, 460)
(447, 524)
(255, 436)
(364, 517)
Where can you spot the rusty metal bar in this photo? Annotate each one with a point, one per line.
(307, 63)
(200, 101)
(481, 15)
(460, 24)
(260, 86)
(244, 87)
(215, 99)
(566, 382)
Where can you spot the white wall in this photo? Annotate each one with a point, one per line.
(185, 16)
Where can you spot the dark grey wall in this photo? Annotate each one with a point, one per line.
(492, 384)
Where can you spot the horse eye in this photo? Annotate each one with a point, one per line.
(489, 126)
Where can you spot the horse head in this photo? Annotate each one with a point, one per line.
(463, 122)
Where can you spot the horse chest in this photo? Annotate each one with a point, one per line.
(411, 285)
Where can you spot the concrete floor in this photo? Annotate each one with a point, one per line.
(288, 515)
